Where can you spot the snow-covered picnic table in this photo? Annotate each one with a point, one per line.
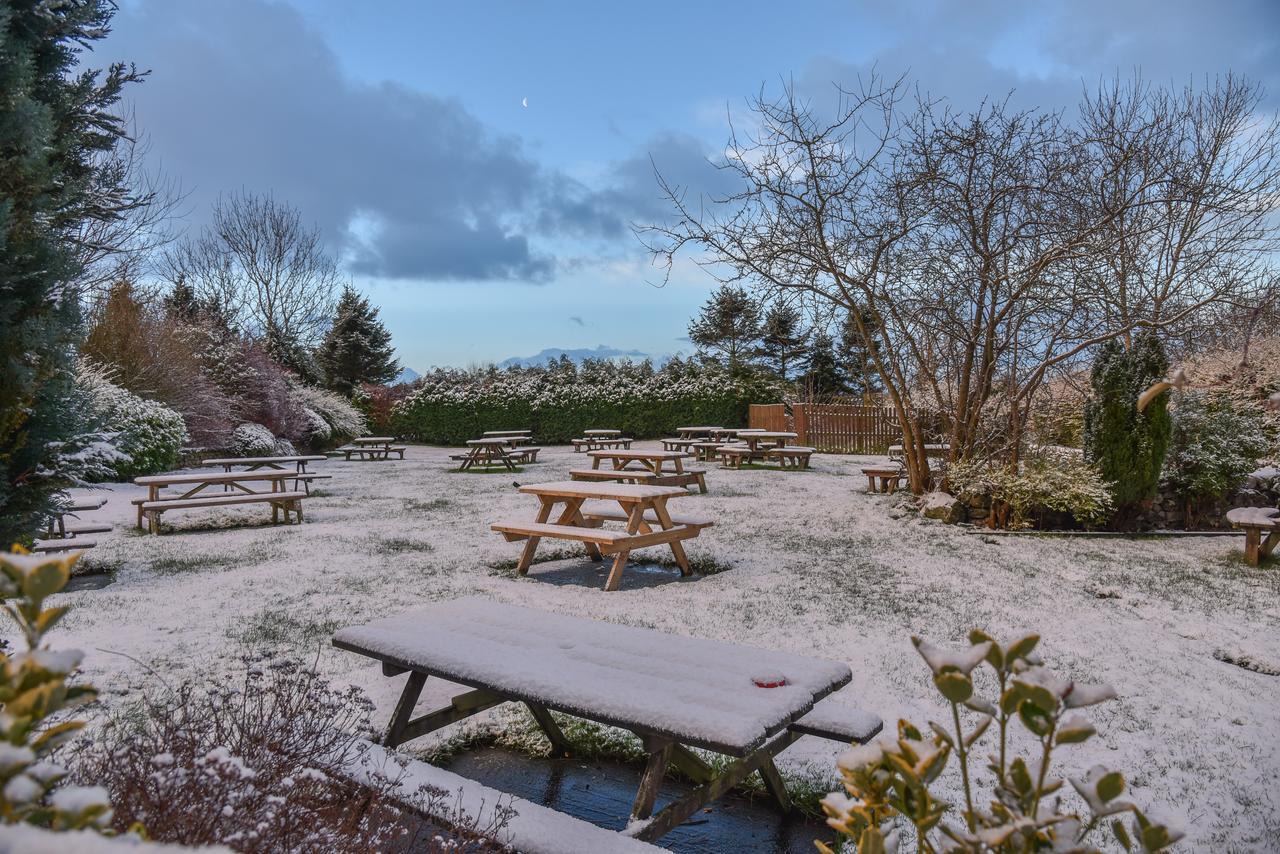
(653, 462)
(673, 692)
(236, 488)
(643, 508)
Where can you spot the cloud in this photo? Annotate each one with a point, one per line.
(578, 320)
(404, 184)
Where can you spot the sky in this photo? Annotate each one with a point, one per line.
(485, 228)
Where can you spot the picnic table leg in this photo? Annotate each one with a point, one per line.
(675, 813)
(651, 780)
(572, 515)
(635, 518)
(531, 545)
(664, 519)
(1268, 545)
(691, 765)
(404, 709)
(559, 744)
(773, 783)
(1252, 544)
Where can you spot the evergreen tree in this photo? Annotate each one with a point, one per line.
(859, 369)
(56, 127)
(1126, 445)
(181, 303)
(728, 325)
(822, 377)
(782, 340)
(358, 347)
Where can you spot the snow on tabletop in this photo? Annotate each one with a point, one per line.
(532, 829)
(701, 691)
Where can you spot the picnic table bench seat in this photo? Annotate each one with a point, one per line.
(618, 475)
(602, 511)
(63, 544)
(80, 505)
(86, 528)
(677, 444)
(1255, 521)
(792, 455)
(599, 443)
(526, 454)
(674, 692)
(884, 478)
(734, 455)
(288, 502)
(371, 452)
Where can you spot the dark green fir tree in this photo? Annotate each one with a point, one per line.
(58, 129)
(782, 340)
(728, 327)
(358, 347)
(822, 376)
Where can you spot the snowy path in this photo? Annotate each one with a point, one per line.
(818, 567)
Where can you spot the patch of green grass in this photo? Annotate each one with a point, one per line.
(419, 506)
(398, 545)
(176, 564)
(499, 469)
(274, 628)
(768, 467)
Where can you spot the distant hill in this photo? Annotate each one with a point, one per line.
(408, 375)
(552, 354)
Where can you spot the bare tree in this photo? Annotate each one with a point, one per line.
(267, 272)
(978, 253)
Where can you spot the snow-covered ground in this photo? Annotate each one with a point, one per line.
(817, 567)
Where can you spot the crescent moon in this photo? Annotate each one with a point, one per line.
(524, 102)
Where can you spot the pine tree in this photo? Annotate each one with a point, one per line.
(1126, 445)
(358, 347)
(56, 126)
(728, 325)
(782, 340)
(859, 369)
(822, 377)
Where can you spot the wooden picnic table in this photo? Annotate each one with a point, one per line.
(696, 432)
(502, 434)
(753, 438)
(674, 692)
(59, 536)
(239, 483)
(642, 506)
(373, 440)
(298, 461)
(487, 452)
(372, 448)
(652, 462)
(602, 433)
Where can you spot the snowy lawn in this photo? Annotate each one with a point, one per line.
(807, 562)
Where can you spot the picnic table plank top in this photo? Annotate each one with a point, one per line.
(605, 490)
(697, 429)
(374, 440)
(602, 432)
(487, 441)
(489, 434)
(82, 504)
(640, 455)
(295, 458)
(766, 434)
(212, 477)
(700, 692)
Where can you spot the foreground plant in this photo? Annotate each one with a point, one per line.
(35, 690)
(888, 781)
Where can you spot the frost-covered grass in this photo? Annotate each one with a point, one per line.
(810, 564)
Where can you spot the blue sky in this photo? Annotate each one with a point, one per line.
(485, 229)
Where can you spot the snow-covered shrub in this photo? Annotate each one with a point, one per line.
(1057, 481)
(891, 779)
(252, 440)
(339, 418)
(560, 401)
(36, 688)
(146, 434)
(263, 766)
(285, 448)
(1216, 441)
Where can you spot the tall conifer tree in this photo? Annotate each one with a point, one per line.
(358, 347)
(57, 133)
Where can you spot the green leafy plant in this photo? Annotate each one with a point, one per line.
(889, 780)
(1051, 483)
(1216, 441)
(35, 690)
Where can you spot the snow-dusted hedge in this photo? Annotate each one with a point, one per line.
(1056, 481)
(558, 403)
(252, 440)
(1216, 441)
(144, 436)
(328, 416)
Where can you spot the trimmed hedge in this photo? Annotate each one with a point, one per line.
(447, 407)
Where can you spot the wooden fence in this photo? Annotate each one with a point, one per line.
(833, 428)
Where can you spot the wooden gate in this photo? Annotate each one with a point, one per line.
(768, 416)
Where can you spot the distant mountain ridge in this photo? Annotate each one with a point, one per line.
(579, 355)
(407, 375)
